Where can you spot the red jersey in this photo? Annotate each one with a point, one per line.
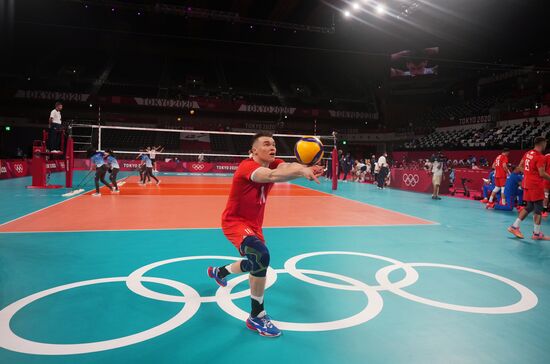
(246, 203)
(532, 161)
(500, 162)
(547, 162)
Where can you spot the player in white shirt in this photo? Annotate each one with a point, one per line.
(437, 176)
(55, 127)
(384, 170)
(153, 154)
(359, 171)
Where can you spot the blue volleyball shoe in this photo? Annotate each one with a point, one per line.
(213, 273)
(263, 326)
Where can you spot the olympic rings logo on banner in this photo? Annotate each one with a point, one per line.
(411, 180)
(224, 298)
(18, 167)
(198, 167)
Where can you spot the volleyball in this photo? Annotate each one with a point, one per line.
(308, 150)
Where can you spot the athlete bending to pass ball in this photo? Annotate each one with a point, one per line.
(243, 218)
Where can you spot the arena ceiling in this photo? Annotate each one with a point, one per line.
(481, 30)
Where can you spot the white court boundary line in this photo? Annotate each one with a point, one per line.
(215, 228)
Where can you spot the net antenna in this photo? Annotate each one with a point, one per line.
(334, 160)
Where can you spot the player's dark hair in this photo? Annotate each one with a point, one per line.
(260, 135)
(539, 140)
(110, 151)
(57, 103)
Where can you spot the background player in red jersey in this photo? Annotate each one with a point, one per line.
(243, 217)
(546, 186)
(534, 170)
(501, 173)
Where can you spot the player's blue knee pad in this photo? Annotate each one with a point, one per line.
(257, 256)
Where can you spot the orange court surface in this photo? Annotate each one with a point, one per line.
(195, 202)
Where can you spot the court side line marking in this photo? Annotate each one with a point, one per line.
(368, 204)
(55, 204)
(214, 228)
(124, 195)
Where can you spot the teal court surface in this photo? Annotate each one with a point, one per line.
(448, 285)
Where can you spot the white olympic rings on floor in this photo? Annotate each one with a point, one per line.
(528, 298)
(134, 280)
(9, 340)
(411, 275)
(224, 298)
(370, 311)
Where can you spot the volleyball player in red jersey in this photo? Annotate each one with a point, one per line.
(534, 170)
(243, 218)
(501, 173)
(546, 186)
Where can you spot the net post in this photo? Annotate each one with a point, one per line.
(334, 164)
(334, 169)
(69, 162)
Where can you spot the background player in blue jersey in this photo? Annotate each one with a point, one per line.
(488, 186)
(98, 161)
(513, 193)
(148, 168)
(114, 168)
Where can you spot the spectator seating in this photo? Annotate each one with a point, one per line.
(513, 136)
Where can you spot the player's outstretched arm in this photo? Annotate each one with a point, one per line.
(286, 172)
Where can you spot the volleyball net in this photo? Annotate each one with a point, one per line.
(188, 151)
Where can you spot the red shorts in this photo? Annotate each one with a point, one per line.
(533, 194)
(546, 185)
(500, 181)
(236, 232)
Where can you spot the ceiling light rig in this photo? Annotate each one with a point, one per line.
(398, 9)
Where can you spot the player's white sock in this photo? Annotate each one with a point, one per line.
(537, 229)
(228, 268)
(491, 198)
(516, 223)
(259, 299)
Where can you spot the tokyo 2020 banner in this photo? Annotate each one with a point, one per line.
(128, 165)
